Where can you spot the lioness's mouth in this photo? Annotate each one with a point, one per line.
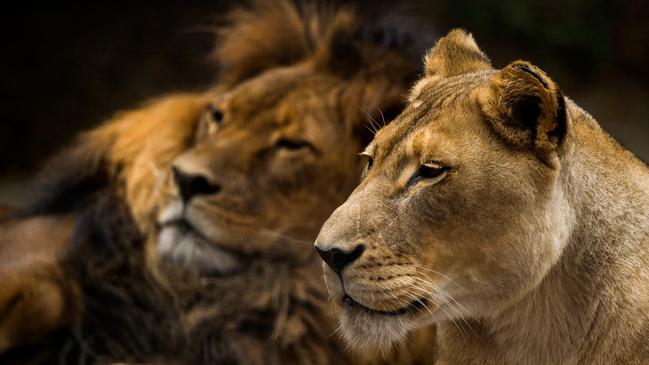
(416, 305)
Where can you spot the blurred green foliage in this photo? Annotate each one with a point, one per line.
(576, 30)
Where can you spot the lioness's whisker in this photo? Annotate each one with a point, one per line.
(463, 308)
(444, 276)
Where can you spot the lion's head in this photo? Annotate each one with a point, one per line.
(458, 214)
(232, 185)
(275, 150)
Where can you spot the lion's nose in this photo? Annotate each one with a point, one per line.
(338, 259)
(190, 185)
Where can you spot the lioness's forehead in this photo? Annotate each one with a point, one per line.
(430, 99)
(434, 92)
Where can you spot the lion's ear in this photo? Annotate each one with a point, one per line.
(455, 54)
(260, 35)
(527, 109)
(376, 60)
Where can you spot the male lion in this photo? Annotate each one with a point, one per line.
(191, 219)
(497, 208)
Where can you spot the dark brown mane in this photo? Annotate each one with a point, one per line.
(267, 34)
(271, 312)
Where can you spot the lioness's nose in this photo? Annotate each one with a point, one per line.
(338, 259)
(190, 185)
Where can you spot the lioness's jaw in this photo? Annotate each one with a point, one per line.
(364, 332)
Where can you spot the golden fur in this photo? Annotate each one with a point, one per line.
(35, 297)
(136, 143)
(295, 90)
(496, 208)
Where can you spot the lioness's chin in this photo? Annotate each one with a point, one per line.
(367, 331)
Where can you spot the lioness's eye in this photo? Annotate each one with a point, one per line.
(432, 171)
(370, 160)
(291, 144)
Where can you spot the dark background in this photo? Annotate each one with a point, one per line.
(66, 68)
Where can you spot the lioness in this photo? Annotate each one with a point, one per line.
(227, 188)
(497, 208)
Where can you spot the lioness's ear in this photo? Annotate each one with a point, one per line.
(527, 109)
(454, 54)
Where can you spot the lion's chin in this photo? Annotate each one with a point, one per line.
(190, 251)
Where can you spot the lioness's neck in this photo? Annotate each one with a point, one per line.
(607, 189)
(593, 296)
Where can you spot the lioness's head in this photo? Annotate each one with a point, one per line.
(458, 213)
(275, 150)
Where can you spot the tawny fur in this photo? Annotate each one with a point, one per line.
(528, 242)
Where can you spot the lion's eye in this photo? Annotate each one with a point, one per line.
(209, 122)
(431, 171)
(217, 115)
(292, 144)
